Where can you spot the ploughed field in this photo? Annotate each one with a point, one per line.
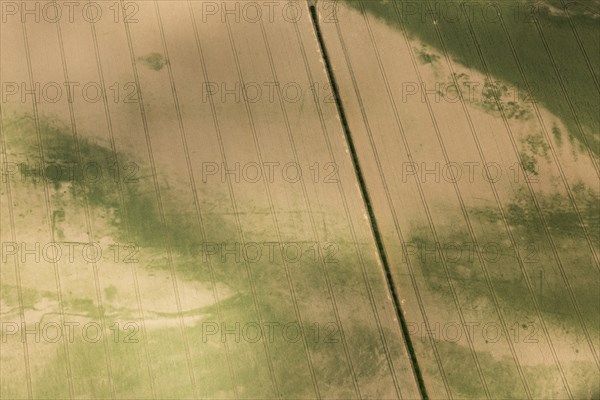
(181, 214)
(477, 129)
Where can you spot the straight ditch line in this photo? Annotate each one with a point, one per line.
(367, 201)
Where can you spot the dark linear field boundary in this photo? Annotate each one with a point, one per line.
(367, 201)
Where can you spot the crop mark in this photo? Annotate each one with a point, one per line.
(3, 154)
(234, 204)
(565, 183)
(308, 206)
(88, 223)
(48, 210)
(538, 208)
(122, 203)
(159, 201)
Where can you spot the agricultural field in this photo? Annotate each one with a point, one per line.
(167, 236)
(477, 131)
(378, 199)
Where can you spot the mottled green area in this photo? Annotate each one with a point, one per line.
(10, 296)
(556, 132)
(561, 218)
(110, 293)
(529, 47)
(154, 61)
(90, 377)
(534, 249)
(506, 380)
(496, 97)
(425, 57)
(127, 204)
(120, 176)
(547, 283)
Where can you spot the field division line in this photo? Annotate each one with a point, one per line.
(368, 204)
